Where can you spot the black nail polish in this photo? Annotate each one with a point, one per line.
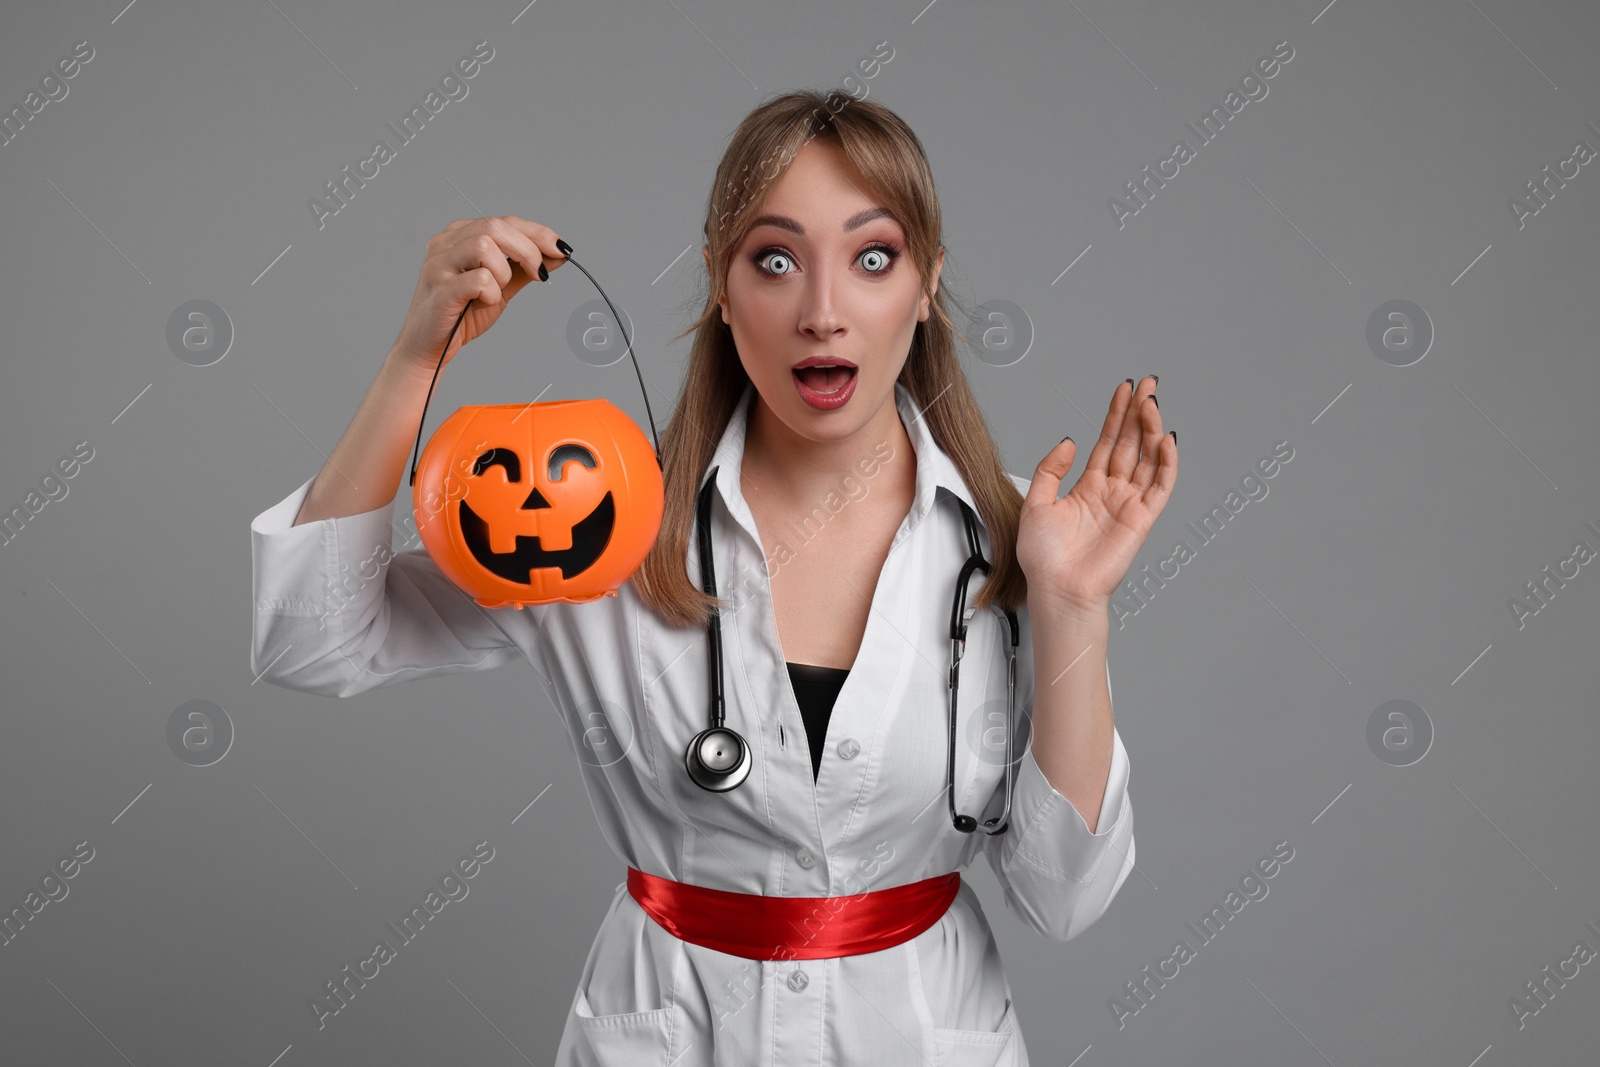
(1174, 436)
(1154, 401)
(544, 275)
(1128, 380)
(1063, 440)
(1157, 378)
(566, 249)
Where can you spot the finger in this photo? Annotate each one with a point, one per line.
(510, 231)
(1100, 454)
(516, 245)
(476, 250)
(1046, 485)
(543, 237)
(1149, 443)
(522, 251)
(480, 284)
(1125, 453)
(1159, 491)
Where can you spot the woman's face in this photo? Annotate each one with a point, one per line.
(820, 274)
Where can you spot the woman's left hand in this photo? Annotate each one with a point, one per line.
(1076, 549)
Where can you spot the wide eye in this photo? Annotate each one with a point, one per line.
(781, 258)
(876, 260)
(569, 453)
(500, 457)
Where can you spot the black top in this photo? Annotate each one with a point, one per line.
(816, 688)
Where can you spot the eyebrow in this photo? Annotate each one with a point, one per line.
(856, 221)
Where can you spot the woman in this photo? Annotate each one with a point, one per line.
(836, 502)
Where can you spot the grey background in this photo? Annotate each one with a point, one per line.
(1379, 567)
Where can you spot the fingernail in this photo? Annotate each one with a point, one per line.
(1157, 378)
(1128, 380)
(1062, 441)
(1174, 436)
(566, 249)
(1154, 401)
(544, 275)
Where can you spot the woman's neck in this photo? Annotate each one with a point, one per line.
(781, 463)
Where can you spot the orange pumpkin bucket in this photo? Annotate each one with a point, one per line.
(523, 504)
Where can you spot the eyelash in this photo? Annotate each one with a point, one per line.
(887, 249)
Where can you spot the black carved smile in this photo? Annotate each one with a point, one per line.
(590, 534)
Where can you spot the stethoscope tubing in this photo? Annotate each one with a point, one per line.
(718, 758)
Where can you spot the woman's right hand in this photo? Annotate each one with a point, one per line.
(485, 260)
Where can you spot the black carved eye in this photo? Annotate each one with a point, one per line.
(566, 453)
(501, 457)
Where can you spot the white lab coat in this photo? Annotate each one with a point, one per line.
(331, 618)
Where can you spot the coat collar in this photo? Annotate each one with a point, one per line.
(935, 470)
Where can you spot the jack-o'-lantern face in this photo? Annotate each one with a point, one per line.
(590, 534)
(533, 503)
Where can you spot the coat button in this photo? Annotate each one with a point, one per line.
(798, 980)
(805, 859)
(849, 748)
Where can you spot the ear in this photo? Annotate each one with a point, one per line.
(927, 296)
(705, 253)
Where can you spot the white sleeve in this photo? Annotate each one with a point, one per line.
(1057, 876)
(337, 612)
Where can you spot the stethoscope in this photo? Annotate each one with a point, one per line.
(718, 758)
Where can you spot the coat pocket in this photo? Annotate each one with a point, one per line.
(628, 1039)
(999, 1047)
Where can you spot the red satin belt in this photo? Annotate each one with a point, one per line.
(793, 928)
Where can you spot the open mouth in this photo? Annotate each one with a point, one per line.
(825, 388)
(825, 381)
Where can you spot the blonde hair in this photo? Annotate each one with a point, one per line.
(892, 160)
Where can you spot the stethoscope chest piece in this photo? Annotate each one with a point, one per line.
(718, 759)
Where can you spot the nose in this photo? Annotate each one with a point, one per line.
(819, 312)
